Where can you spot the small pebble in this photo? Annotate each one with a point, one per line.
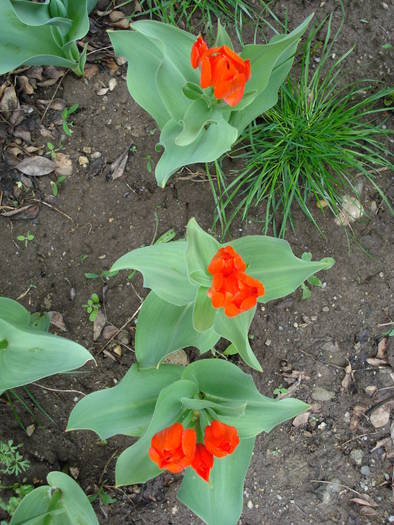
(325, 309)
(357, 456)
(365, 470)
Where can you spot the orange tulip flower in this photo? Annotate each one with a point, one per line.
(222, 69)
(220, 439)
(173, 448)
(202, 462)
(232, 289)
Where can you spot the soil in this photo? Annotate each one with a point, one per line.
(298, 474)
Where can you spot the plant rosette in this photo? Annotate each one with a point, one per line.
(201, 98)
(28, 352)
(44, 33)
(201, 419)
(202, 290)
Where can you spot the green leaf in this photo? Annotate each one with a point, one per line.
(62, 502)
(236, 329)
(201, 248)
(164, 269)
(272, 262)
(314, 281)
(89, 275)
(192, 91)
(32, 354)
(219, 502)
(144, 59)
(203, 311)
(167, 236)
(230, 350)
(30, 35)
(223, 382)
(222, 37)
(210, 144)
(163, 328)
(169, 85)
(306, 293)
(194, 119)
(127, 408)
(134, 465)
(234, 409)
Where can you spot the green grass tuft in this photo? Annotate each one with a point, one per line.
(316, 144)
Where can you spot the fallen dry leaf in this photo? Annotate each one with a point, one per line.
(90, 71)
(382, 443)
(352, 209)
(9, 102)
(119, 165)
(30, 430)
(74, 471)
(177, 358)
(302, 419)
(101, 92)
(373, 361)
(116, 15)
(22, 134)
(380, 417)
(64, 165)
(121, 24)
(366, 500)
(56, 319)
(112, 84)
(348, 379)
(358, 411)
(36, 166)
(382, 349)
(109, 331)
(24, 85)
(98, 325)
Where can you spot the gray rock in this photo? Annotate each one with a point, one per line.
(357, 456)
(365, 470)
(321, 394)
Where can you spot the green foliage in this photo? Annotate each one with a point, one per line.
(43, 33)
(195, 127)
(28, 351)
(61, 501)
(305, 151)
(92, 307)
(56, 184)
(177, 314)
(146, 401)
(26, 238)
(67, 124)
(19, 492)
(11, 460)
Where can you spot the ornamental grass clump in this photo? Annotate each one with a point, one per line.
(317, 144)
(201, 97)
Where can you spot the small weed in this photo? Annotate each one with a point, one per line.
(68, 124)
(92, 307)
(52, 150)
(276, 452)
(20, 491)
(55, 184)
(26, 238)
(279, 391)
(104, 275)
(149, 163)
(312, 280)
(11, 461)
(102, 494)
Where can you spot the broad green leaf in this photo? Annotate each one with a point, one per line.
(32, 354)
(219, 502)
(194, 119)
(144, 60)
(169, 83)
(134, 465)
(163, 266)
(210, 144)
(235, 329)
(263, 57)
(200, 249)
(231, 408)
(62, 502)
(174, 43)
(203, 311)
(163, 328)
(126, 408)
(272, 262)
(222, 382)
(30, 35)
(222, 37)
(192, 91)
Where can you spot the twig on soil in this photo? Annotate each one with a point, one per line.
(100, 481)
(120, 329)
(319, 360)
(54, 95)
(386, 324)
(358, 437)
(381, 403)
(23, 294)
(59, 390)
(54, 209)
(338, 484)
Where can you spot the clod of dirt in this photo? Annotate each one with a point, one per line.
(30, 430)
(356, 456)
(64, 165)
(36, 166)
(380, 417)
(302, 419)
(321, 394)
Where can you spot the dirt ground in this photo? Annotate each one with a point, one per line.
(311, 473)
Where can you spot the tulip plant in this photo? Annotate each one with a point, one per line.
(44, 33)
(201, 97)
(28, 352)
(202, 290)
(203, 418)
